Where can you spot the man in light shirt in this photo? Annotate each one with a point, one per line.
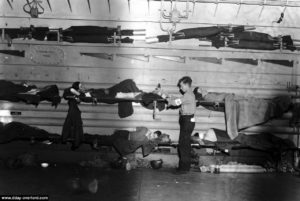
(187, 104)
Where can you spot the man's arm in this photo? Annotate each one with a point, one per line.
(178, 101)
(75, 92)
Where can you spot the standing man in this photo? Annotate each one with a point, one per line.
(72, 128)
(187, 104)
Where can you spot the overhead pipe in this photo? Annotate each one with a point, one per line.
(174, 17)
(291, 3)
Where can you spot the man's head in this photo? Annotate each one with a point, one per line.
(152, 135)
(25, 83)
(160, 137)
(185, 83)
(77, 86)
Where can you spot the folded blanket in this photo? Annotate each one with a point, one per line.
(242, 113)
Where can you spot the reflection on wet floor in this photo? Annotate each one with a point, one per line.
(72, 182)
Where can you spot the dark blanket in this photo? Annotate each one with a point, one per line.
(148, 98)
(256, 45)
(94, 30)
(200, 32)
(19, 131)
(37, 33)
(255, 40)
(295, 120)
(10, 90)
(94, 34)
(51, 94)
(17, 92)
(108, 96)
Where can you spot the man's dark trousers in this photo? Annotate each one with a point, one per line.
(184, 148)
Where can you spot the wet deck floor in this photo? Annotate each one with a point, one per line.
(149, 185)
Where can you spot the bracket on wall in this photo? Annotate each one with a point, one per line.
(49, 4)
(89, 4)
(213, 60)
(98, 55)
(287, 63)
(17, 53)
(108, 3)
(9, 3)
(179, 59)
(70, 6)
(140, 57)
(128, 5)
(243, 61)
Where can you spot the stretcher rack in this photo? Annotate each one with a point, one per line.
(217, 147)
(115, 39)
(199, 146)
(117, 100)
(215, 105)
(296, 126)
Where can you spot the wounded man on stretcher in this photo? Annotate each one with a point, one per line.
(29, 94)
(124, 141)
(123, 93)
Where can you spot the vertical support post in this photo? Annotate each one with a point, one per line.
(3, 34)
(296, 82)
(154, 109)
(108, 2)
(115, 36)
(128, 5)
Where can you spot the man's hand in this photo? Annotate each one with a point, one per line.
(77, 99)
